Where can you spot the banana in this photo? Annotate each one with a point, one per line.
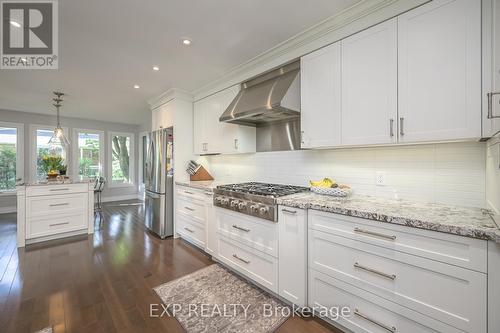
(325, 183)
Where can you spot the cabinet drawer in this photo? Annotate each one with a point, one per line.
(56, 189)
(456, 250)
(188, 193)
(255, 233)
(259, 267)
(451, 294)
(46, 206)
(193, 232)
(369, 313)
(55, 225)
(195, 209)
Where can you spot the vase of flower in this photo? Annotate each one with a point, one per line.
(52, 165)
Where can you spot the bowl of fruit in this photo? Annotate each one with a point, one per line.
(328, 186)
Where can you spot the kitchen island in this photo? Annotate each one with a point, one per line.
(51, 210)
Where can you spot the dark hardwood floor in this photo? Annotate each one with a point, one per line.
(99, 283)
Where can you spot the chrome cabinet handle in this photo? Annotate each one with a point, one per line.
(59, 189)
(189, 208)
(187, 192)
(59, 204)
(241, 259)
(236, 144)
(374, 271)
(56, 224)
(388, 328)
(240, 228)
(375, 234)
(208, 193)
(391, 131)
(490, 104)
(289, 211)
(187, 229)
(401, 125)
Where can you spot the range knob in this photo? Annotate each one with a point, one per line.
(263, 210)
(234, 203)
(254, 208)
(225, 201)
(217, 200)
(242, 205)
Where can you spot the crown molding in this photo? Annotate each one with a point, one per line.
(169, 95)
(360, 16)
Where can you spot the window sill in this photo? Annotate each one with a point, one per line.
(120, 185)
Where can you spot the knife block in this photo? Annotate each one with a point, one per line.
(201, 174)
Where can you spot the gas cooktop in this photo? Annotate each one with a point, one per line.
(265, 189)
(255, 199)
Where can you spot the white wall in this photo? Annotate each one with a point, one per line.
(7, 202)
(451, 173)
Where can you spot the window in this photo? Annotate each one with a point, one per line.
(88, 153)
(41, 148)
(121, 159)
(11, 155)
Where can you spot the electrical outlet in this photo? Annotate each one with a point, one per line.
(380, 178)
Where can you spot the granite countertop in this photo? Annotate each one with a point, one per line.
(207, 185)
(57, 182)
(463, 221)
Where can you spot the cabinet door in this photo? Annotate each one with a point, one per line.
(210, 226)
(440, 71)
(199, 127)
(292, 245)
(212, 125)
(228, 133)
(320, 74)
(369, 85)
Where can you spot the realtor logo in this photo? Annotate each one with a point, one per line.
(29, 34)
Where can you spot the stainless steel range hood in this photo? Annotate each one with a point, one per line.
(271, 97)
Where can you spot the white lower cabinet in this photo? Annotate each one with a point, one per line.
(210, 225)
(293, 255)
(396, 278)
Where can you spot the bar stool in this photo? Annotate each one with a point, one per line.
(98, 188)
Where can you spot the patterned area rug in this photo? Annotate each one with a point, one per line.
(213, 299)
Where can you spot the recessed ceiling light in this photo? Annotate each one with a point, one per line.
(136, 86)
(156, 68)
(15, 24)
(186, 41)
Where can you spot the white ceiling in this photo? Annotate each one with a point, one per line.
(108, 46)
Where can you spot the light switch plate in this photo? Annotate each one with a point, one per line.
(380, 178)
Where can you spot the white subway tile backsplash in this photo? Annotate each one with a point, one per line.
(451, 173)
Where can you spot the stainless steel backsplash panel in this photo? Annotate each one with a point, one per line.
(279, 136)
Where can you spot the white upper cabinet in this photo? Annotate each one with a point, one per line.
(491, 67)
(440, 71)
(162, 116)
(320, 74)
(369, 86)
(214, 137)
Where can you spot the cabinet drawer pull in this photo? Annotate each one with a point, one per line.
(187, 229)
(391, 131)
(56, 224)
(401, 126)
(240, 228)
(490, 104)
(289, 211)
(388, 328)
(59, 204)
(190, 209)
(208, 193)
(241, 259)
(59, 189)
(187, 192)
(374, 271)
(375, 234)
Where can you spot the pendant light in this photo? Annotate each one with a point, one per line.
(58, 138)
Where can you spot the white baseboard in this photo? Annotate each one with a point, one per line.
(121, 197)
(5, 210)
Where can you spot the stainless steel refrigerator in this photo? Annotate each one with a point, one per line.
(159, 184)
